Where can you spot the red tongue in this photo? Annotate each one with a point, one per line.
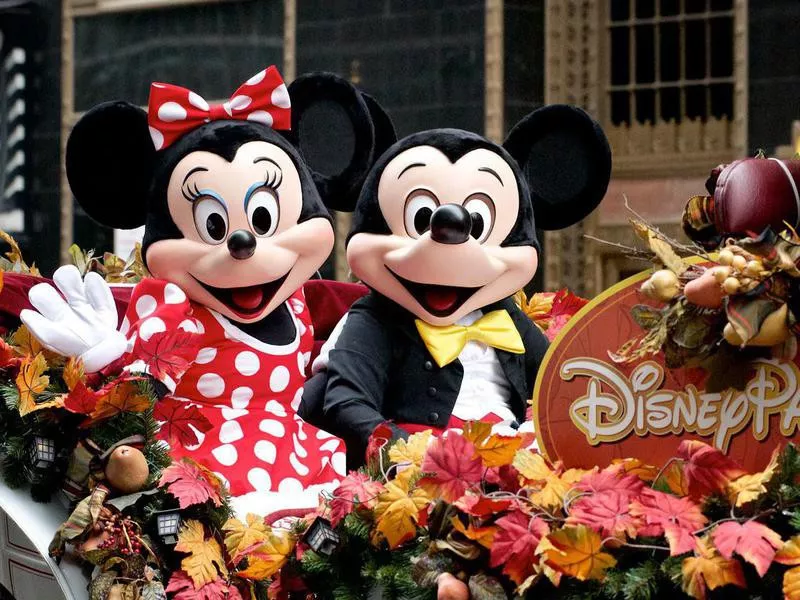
(440, 298)
(248, 298)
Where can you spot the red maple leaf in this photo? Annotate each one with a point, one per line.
(179, 421)
(753, 541)
(506, 477)
(565, 305)
(81, 400)
(607, 512)
(190, 483)
(378, 440)
(610, 479)
(707, 469)
(481, 506)
(676, 518)
(182, 586)
(168, 352)
(451, 468)
(8, 357)
(515, 544)
(355, 489)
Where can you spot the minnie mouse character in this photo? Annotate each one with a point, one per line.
(443, 234)
(233, 203)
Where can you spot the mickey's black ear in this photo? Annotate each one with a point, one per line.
(566, 160)
(110, 159)
(339, 131)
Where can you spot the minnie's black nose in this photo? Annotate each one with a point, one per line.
(241, 244)
(450, 224)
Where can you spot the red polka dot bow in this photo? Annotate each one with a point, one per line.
(173, 111)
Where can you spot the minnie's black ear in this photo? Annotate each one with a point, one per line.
(110, 160)
(338, 131)
(566, 160)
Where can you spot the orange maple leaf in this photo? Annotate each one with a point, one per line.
(74, 373)
(577, 551)
(708, 571)
(31, 382)
(123, 396)
(495, 450)
(483, 535)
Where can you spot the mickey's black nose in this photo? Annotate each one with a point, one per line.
(450, 224)
(241, 244)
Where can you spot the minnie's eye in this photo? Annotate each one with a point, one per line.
(419, 208)
(263, 213)
(481, 210)
(211, 220)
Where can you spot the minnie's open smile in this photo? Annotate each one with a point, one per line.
(245, 301)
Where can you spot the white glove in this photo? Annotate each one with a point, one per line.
(85, 325)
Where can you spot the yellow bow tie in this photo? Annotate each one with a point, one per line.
(495, 329)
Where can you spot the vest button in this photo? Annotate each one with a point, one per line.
(428, 365)
(433, 417)
(431, 391)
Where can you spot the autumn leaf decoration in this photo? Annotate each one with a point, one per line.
(168, 353)
(191, 483)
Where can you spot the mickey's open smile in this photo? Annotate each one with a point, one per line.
(245, 301)
(438, 300)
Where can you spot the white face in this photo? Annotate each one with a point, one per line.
(258, 197)
(441, 282)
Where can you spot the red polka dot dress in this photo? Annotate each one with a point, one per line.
(248, 390)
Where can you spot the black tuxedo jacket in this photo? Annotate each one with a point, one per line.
(380, 370)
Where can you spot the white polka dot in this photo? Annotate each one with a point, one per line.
(188, 325)
(150, 327)
(299, 467)
(200, 327)
(257, 78)
(300, 431)
(298, 447)
(125, 326)
(171, 111)
(198, 101)
(272, 427)
(241, 102)
(266, 451)
(259, 478)
(301, 328)
(230, 432)
(227, 107)
(247, 363)
(240, 397)
(173, 294)
(340, 463)
(232, 413)
(301, 364)
(145, 306)
(157, 137)
(279, 380)
(298, 398)
(297, 305)
(290, 485)
(330, 446)
(280, 97)
(323, 435)
(260, 116)
(210, 385)
(225, 455)
(276, 408)
(205, 356)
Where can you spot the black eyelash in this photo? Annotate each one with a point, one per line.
(274, 179)
(192, 194)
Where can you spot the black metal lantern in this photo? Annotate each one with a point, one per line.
(167, 524)
(43, 453)
(321, 537)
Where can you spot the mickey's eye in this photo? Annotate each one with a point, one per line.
(420, 205)
(263, 212)
(211, 220)
(481, 209)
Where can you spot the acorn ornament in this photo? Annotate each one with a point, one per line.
(449, 587)
(126, 470)
(663, 286)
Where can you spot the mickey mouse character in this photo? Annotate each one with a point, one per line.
(234, 225)
(443, 234)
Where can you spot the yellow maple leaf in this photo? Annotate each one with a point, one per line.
(537, 308)
(411, 451)
(495, 450)
(122, 397)
(397, 512)
(240, 537)
(548, 488)
(31, 382)
(24, 343)
(204, 563)
(541, 567)
(790, 553)
(634, 466)
(708, 571)
(268, 558)
(550, 494)
(531, 465)
(747, 488)
(74, 373)
(791, 584)
(578, 552)
(483, 535)
(675, 479)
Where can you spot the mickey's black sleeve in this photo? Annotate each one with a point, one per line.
(358, 372)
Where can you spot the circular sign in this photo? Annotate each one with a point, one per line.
(589, 410)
